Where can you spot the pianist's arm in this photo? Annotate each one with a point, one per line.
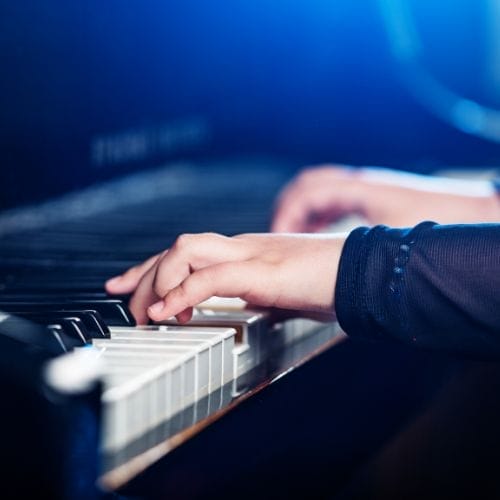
(433, 285)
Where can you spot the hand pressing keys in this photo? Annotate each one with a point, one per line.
(270, 270)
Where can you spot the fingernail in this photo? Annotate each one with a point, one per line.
(157, 308)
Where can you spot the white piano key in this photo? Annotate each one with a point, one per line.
(251, 328)
(215, 354)
(243, 360)
(203, 347)
(185, 356)
(128, 394)
(224, 303)
(134, 406)
(130, 404)
(200, 348)
(156, 398)
(138, 346)
(222, 343)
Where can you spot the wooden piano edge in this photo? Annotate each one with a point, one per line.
(121, 475)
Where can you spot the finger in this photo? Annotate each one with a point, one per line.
(233, 279)
(310, 193)
(194, 252)
(291, 213)
(128, 281)
(185, 316)
(190, 252)
(144, 296)
(320, 219)
(309, 210)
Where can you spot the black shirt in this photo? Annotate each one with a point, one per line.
(432, 285)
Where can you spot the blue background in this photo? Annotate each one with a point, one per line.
(304, 80)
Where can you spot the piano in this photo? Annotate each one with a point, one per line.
(96, 406)
(151, 388)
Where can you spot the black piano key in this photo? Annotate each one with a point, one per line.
(113, 311)
(29, 336)
(92, 321)
(59, 332)
(52, 282)
(56, 295)
(73, 327)
(62, 294)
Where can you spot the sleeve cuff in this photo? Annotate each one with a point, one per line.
(368, 290)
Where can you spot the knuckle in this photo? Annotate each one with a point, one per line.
(307, 173)
(208, 236)
(183, 241)
(305, 178)
(188, 243)
(312, 173)
(302, 177)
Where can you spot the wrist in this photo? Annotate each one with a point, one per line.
(489, 207)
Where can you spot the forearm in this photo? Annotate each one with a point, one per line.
(434, 286)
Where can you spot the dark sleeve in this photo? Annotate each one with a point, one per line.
(434, 286)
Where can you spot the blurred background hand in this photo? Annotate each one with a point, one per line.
(321, 196)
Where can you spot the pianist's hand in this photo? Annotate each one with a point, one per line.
(320, 196)
(285, 271)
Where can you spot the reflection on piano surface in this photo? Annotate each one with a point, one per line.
(159, 385)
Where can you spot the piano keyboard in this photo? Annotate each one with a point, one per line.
(151, 374)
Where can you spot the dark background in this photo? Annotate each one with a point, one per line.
(91, 90)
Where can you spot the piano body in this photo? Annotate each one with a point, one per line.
(106, 162)
(83, 426)
(152, 387)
